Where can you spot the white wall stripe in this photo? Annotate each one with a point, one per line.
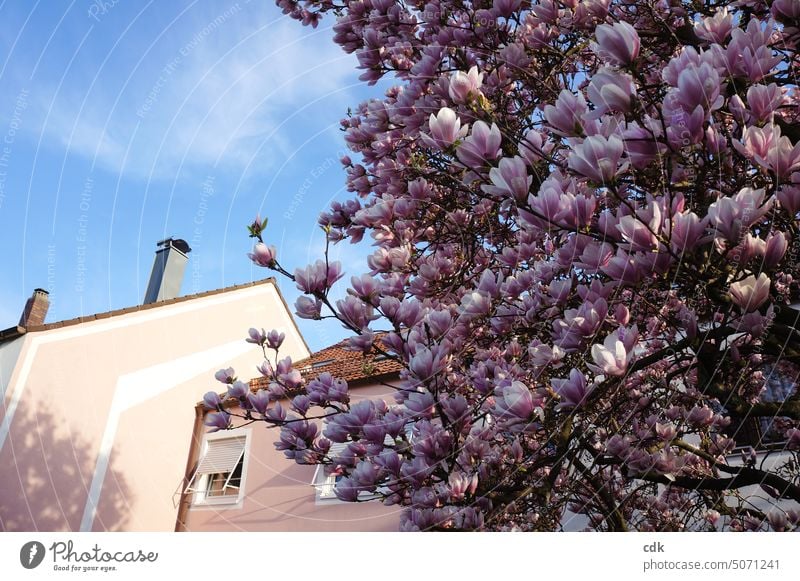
(135, 388)
(135, 318)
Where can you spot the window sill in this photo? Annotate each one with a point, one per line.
(235, 502)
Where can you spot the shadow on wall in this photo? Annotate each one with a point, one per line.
(45, 474)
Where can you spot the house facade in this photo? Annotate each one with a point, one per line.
(237, 481)
(97, 411)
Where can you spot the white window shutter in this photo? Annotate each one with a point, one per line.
(337, 448)
(221, 456)
(326, 488)
(325, 484)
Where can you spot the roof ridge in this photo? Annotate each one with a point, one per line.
(17, 330)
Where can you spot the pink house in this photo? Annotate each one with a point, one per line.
(237, 481)
(97, 411)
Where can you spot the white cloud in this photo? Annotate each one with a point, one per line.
(233, 96)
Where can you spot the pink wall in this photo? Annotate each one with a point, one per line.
(278, 494)
(121, 388)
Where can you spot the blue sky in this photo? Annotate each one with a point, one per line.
(125, 122)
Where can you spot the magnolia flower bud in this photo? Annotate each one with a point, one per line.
(211, 400)
(263, 255)
(225, 375)
(218, 421)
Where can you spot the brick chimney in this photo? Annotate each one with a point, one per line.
(35, 309)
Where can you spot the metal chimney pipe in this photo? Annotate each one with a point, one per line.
(168, 268)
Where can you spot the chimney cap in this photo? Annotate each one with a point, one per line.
(176, 243)
(41, 290)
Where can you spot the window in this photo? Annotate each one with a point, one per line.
(220, 474)
(767, 432)
(318, 364)
(324, 483)
(326, 489)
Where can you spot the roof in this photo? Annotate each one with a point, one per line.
(13, 332)
(352, 366)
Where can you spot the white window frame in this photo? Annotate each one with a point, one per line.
(323, 484)
(199, 482)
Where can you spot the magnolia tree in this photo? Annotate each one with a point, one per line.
(585, 221)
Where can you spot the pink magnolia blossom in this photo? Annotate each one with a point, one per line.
(506, 8)
(308, 308)
(516, 402)
(465, 85)
(535, 147)
(776, 246)
(686, 128)
(699, 86)
(212, 400)
(572, 391)
(763, 101)
(510, 178)
(769, 149)
(611, 91)
(618, 43)
(687, 228)
(481, 147)
(256, 336)
(756, 141)
(568, 115)
(754, 323)
(751, 292)
(598, 158)
(318, 277)
(748, 54)
(641, 230)
(445, 128)
(238, 389)
(218, 421)
(275, 339)
(610, 358)
(259, 400)
(716, 28)
(475, 304)
(730, 216)
(642, 144)
(788, 9)
(426, 363)
(355, 312)
(789, 197)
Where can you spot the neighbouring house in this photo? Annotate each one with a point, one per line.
(96, 411)
(237, 481)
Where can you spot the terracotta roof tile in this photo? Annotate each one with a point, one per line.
(340, 362)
